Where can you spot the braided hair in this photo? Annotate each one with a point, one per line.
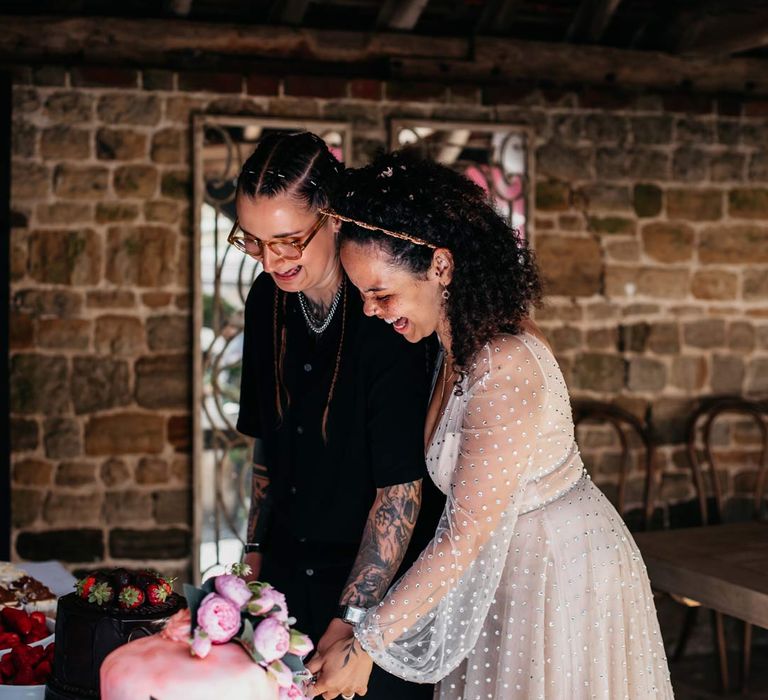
(495, 280)
(298, 165)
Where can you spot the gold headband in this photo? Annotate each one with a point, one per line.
(372, 227)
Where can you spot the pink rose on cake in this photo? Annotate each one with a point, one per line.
(219, 617)
(269, 601)
(233, 588)
(201, 643)
(271, 639)
(177, 627)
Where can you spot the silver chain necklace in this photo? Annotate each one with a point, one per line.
(311, 324)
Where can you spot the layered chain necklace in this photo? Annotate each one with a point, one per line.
(312, 324)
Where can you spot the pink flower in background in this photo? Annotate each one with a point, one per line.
(219, 617)
(292, 693)
(300, 644)
(266, 600)
(233, 588)
(201, 643)
(177, 627)
(271, 639)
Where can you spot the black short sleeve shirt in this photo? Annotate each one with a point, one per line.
(322, 490)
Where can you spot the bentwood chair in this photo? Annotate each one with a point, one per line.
(633, 435)
(717, 507)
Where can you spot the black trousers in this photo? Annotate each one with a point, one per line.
(312, 592)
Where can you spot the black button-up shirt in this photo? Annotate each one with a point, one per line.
(322, 491)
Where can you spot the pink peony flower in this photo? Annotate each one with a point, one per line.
(201, 643)
(233, 588)
(177, 627)
(271, 639)
(292, 693)
(266, 600)
(300, 644)
(281, 673)
(219, 617)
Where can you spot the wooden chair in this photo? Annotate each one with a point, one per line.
(713, 508)
(624, 425)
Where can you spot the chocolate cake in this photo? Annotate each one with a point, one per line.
(109, 609)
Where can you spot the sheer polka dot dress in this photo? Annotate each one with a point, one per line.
(532, 586)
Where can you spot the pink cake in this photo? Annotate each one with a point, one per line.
(157, 667)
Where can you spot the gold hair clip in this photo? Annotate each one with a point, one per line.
(373, 227)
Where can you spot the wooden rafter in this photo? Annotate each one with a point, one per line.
(400, 14)
(496, 17)
(483, 60)
(591, 19)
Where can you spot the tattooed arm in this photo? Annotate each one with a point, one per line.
(258, 514)
(385, 539)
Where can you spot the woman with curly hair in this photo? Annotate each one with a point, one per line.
(335, 501)
(532, 586)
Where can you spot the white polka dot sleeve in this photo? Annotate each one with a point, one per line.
(432, 617)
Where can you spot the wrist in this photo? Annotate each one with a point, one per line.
(351, 614)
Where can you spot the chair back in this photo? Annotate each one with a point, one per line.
(703, 453)
(624, 425)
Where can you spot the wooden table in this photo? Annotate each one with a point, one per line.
(724, 567)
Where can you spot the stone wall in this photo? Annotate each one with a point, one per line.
(648, 221)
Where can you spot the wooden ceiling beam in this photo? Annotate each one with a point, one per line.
(496, 17)
(591, 20)
(400, 14)
(188, 45)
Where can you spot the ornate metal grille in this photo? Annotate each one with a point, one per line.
(495, 156)
(224, 276)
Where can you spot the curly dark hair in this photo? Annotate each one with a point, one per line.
(495, 280)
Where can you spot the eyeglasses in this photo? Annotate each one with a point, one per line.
(288, 250)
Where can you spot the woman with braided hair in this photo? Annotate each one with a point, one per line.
(335, 403)
(531, 586)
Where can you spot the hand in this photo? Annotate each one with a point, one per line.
(253, 559)
(343, 669)
(337, 629)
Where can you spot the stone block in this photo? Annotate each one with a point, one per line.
(633, 337)
(748, 203)
(99, 383)
(152, 470)
(144, 256)
(726, 167)
(80, 181)
(129, 108)
(69, 107)
(688, 373)
(691, 129)
(756, 381)
(156, 300)
(694, 205)
(48, 302)
(180, 433)
(76, 474)
(125, 433)
(755, 284)
(602, 338)
(707, 333)
(21, 329)
(115, 472)
(646, 200)
(646, 374)
(104, 76)
(110, 299)
(181, 470)
(612, 225)
(649, 281)
(120, 144)
(552, 195)
(173, 507)
(605, 128)
(179, 109)
(648, 164)
(176, 184)
(622, 250)
(741, 336)
(62, 438)
(23, 139)
(65, 257)
(169, 332)
(734, 244)
(652, 130)
(127, 506)
(135, 181)
(63, 142)
(163, 381)
(29, 181)
(62, 508)
(162, 211)
(64, 333)
(761, 335)
(571, 266)
(32, 472)
(727, 374)
(60, 213)
(599, 372)
(169, 146)
(668, 242)
(75, 545)
(564, 162)
(565, 338)
(690, 164)
(26, 505)
(715, 284)
(664, 338)
(114, 212)
(119, 335)
(758, 166)
(39, 384)
(24, 434)
(170, 543)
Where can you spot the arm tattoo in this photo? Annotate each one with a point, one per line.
(349, 652)
(258, 513)
(386, 536)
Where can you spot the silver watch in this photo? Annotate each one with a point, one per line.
(351, 614)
